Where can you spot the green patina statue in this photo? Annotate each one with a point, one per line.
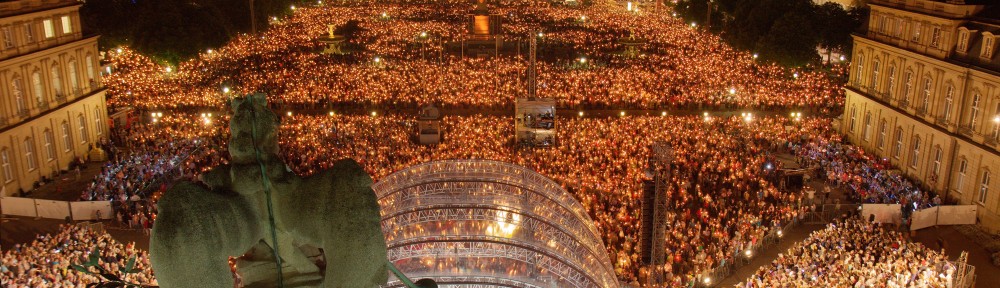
(326, 225)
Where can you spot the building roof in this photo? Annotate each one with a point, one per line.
(971, 57)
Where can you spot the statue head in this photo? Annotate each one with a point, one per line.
(254, 130)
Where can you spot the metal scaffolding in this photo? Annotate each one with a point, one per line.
(481, 223)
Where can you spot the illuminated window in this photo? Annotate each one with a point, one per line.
(915, 155)
(960, 182)
(67, 139)
(899, 143)
(881, 134)
(867, 134)
(50, 31)
(67, 25)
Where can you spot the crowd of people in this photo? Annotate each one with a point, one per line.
(682, 66)
(856, 253)
(721, 198)
(172, 147)
(868, 177)
(46, 261)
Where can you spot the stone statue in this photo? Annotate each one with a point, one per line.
(326, 225)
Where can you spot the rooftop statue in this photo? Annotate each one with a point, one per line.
(325, 226)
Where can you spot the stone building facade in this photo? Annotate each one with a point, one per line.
(52, 105)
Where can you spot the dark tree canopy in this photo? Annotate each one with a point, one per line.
(174, 30)
(783, 31)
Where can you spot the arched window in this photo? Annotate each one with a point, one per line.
(38, 87)
(90, 67)
(963, 166)
(83, 128)
(949, 100)
(18, 90)
(29, 154)
(984, 187)
(867, 134)
(899, 143)
(881, 134)
(8, 175)
(875, 70)
(854, 116)
(915, 154)
(974, 112)
(56, 77)
(67, 139)
(74, 82)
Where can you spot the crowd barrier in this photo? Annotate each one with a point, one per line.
(52, 209)
(744, 256)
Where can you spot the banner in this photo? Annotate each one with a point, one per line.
(52, 209)
(957, 215)
(16, 206)
(88, 210)
(924, 218)
(884, 213)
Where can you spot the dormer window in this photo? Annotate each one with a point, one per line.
(989, 45)
(963, 40)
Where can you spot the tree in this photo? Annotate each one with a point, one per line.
(789, 42)
(834, 26)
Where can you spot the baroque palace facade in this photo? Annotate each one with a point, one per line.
(52, 106)
(924, 93)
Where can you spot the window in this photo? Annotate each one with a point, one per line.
(984, 187)
(50, 148)
(29, 154)
(8, 175)
(925, 102)
(83, 129)
(916, 31)
(67, 25)
(38, 87)
(854, 116)
(937, 161)
(97, 121)
(67, 140)
(881, 135)
(963, 39)
(892, 80)
(962, 167)
(948, 101)
(8, 38)
(907, 86)
(996, 123)
(861, 69)
(936, 37)
(915, 155)
(974, 117)
(867, 134)
(50, 31)
(17, 90)
(899, 143)
(29, 32)
(74, 83)
(875, 68)
(90, 67)
(56, 77)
